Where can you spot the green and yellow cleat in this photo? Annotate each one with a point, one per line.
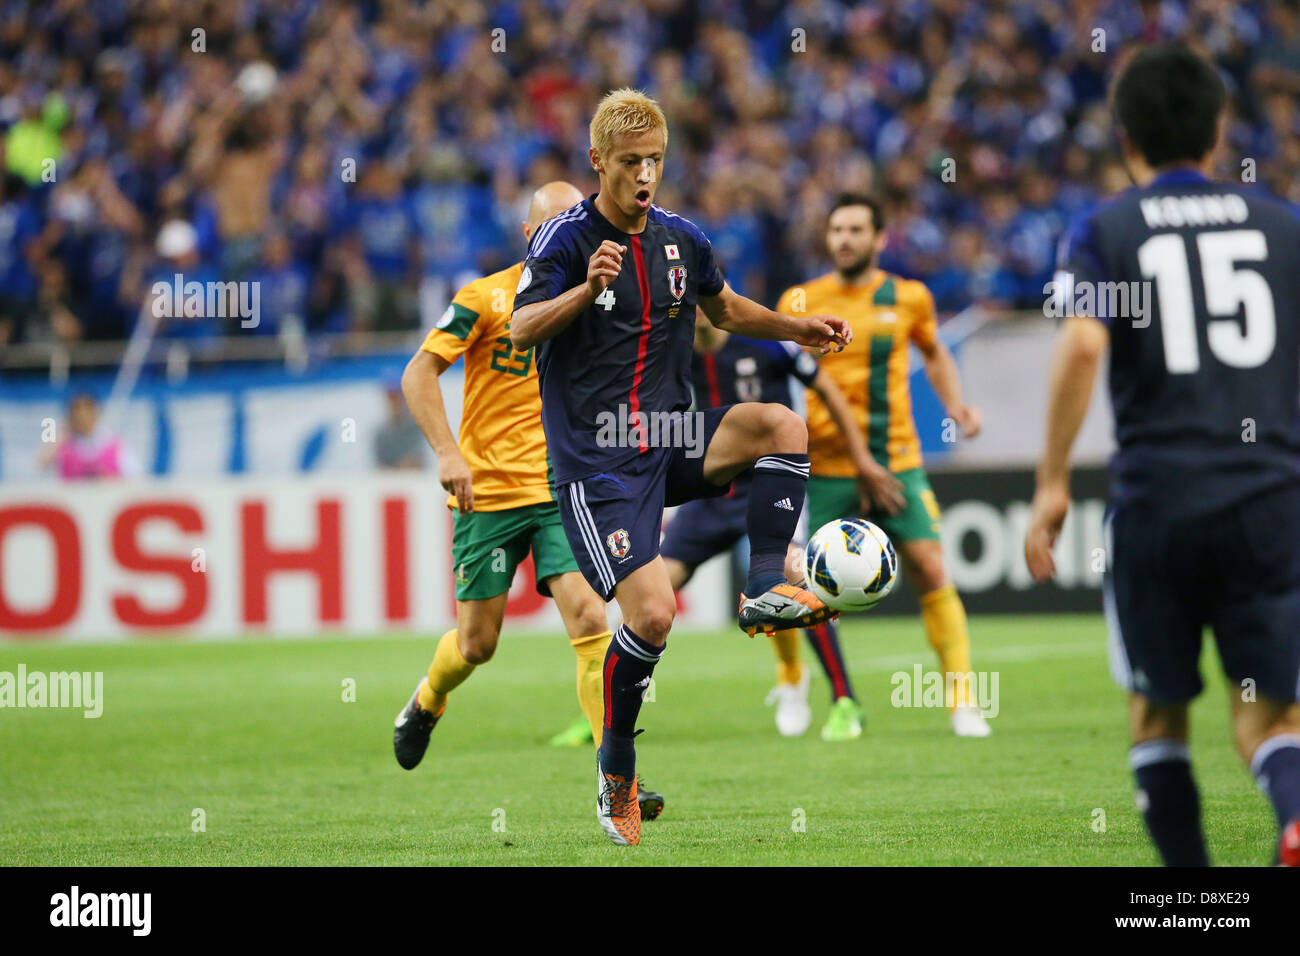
(844, 722)
(577, 734)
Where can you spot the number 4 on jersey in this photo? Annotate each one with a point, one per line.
(606, 298)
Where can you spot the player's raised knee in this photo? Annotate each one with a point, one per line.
(782, 429)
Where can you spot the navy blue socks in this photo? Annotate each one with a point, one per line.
(629, 663)
(775, 503)
(1168, 801)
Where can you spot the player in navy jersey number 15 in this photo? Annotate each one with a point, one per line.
(1203, 524)
(608, 296)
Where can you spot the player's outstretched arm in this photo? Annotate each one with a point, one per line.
(876, 483)
(539, 321)
(733, 312)
(423, 392)
(1079, 348)
(941, 370)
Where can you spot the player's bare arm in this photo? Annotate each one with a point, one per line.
(732, 312)
(533, 324)
(941, 370)
(423, 391)
(1079, 347)
(876, 483)
(708, 337)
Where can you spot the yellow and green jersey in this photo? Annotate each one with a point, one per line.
(885, 314)
(501, 423)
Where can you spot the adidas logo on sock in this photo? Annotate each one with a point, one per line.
(784, 504)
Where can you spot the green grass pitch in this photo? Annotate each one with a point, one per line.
(258, 736)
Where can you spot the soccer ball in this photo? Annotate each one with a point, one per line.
(850, 564)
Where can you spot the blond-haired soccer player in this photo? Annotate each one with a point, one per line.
(503, 499)
(888, 314)
(608, 294)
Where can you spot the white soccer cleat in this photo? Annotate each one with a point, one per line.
(793, 712)
(969, 722)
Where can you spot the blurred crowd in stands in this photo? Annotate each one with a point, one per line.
(361, 159)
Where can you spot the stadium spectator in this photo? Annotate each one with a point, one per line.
(1279, 50)
(399, 443)
(90, 450)
(90, 226)
(283, 288)
(54, 319)
(970, 274)
(379, 236)
(32, 145)
(236, 154)
(159, 285)
(952, 109)
(19, 229)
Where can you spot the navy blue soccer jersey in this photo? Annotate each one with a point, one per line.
(1199, 285)
(750, 370)
(630, 350)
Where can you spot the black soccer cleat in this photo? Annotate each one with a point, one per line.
(652, 804)
(411, 732)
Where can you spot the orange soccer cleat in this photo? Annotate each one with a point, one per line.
(784, 606)
(617, 807)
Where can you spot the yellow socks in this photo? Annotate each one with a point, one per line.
(945, 623)
(447, 672)
(786, 645)
(450, 669)
(591, 679)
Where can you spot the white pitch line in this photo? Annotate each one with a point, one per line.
(1014, 652)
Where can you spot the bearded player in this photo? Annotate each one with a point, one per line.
(888, 314)
(502, 498)
(609, 293)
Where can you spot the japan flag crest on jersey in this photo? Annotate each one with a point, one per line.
(619, 543)
(677, 281)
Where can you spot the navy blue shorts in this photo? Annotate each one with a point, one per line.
(701, 530)
(1237, 572)
(613, 521)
